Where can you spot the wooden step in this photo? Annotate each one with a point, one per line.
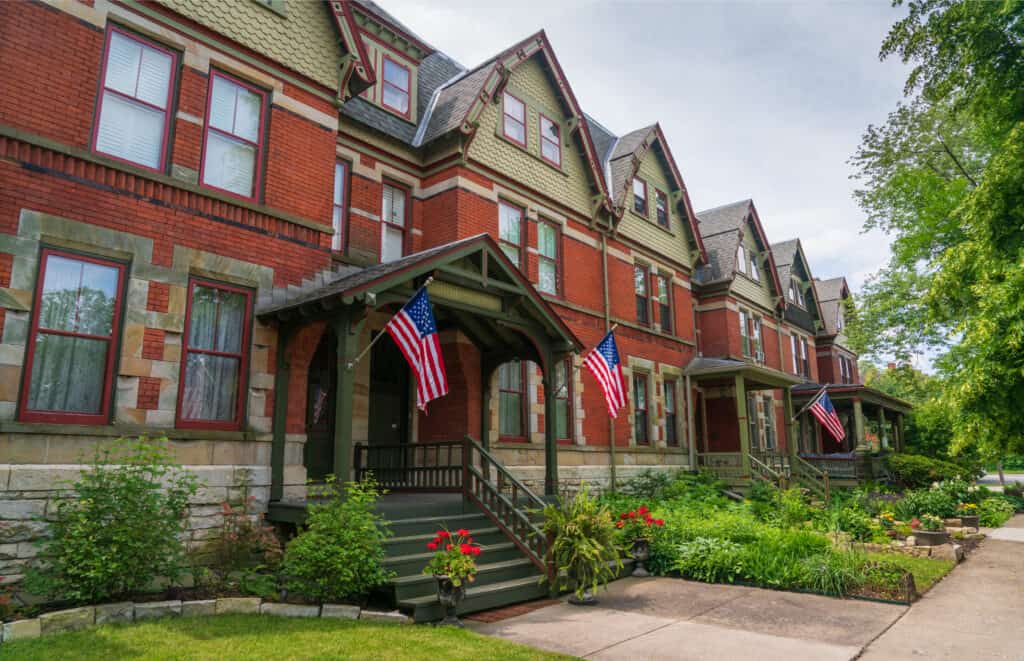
(413, 563)
(396, 546)
(478, 598)
(418, 585)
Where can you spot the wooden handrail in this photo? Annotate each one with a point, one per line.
(412, 466)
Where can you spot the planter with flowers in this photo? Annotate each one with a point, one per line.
(969, 515)
(931, 531)
(453, 565)
(638, 527)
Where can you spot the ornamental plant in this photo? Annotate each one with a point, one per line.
(455, 557)
(638, 524)
(967, 509)
(932, 523)
(887, 519)
(583, 545)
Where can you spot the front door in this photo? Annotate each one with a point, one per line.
(389, 394)
(318, 454)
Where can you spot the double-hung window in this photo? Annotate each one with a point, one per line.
(563, 402)
(395, 88)
(665, 303)
(510, 232)
(803, 358)
(643, 299)
(340, 202)
(233, 139)
(135, 100)
(215, 357)
(755, 336)
(641, 430)
(393, 221)
(514, 119)
(512, 400)
(72, 340)
(745, 331)
(661, 207)
(741, 259)
(793, 354)
(547, 257)
(769, 422)
(640, 196)
(755, 272)
(671, 431)
(550, 141)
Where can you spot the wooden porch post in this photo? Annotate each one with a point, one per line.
(348, 327)
(858, 425)
(787, 403)
(883, 433)
(741, 419)
(550, 428)
(281, 378)
(899, 432)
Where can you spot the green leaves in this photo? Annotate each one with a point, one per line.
(584, 547)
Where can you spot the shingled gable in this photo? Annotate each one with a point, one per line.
(832, 292)
(789, 257)
(356, 72)
(458, 104)
(722, 227)
(623, 162)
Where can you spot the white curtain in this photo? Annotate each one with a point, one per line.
(216, 323)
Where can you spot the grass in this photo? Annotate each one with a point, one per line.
(926, 571)
(267, 637)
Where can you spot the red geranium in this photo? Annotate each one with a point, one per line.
(637, 524)
(456, 561)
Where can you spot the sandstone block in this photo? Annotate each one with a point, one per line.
(156, 609)
(340, 611)
(237, 605)
(22, 630)
(199, 608)
(394, 617)
(289, 610)
(72, 619)
(115, 613)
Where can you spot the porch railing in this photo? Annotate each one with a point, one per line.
(723, 464)
(811, 477)
(762, 471)
(412, 466)
(509, 503)
(842, 468)
(774, 459)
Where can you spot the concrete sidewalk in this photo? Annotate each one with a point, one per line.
(665, 618)
(977, 612)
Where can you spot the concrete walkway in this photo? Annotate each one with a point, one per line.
(666, 618)
(977, 612)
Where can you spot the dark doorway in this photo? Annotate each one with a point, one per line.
(318, 454)
(389, 394)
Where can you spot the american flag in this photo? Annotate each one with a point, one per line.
(415, 332)
(826, 414)
(603, 363)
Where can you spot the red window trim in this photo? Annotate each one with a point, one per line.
(647, 297)
(660, 195)
(674, 383)
(172, 89)
(343, 218)
(570, 401)
(383, 82)
(541, 117)
(521, 246)
(524, 419)
(113, 345)
(646, 213)
(557, 260)
(243, 360)
(257, 175)
(642, 378)
(660, 278)
(504, 114)
(407, 215)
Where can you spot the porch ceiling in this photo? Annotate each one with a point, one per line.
(846, 392)
(758, 377)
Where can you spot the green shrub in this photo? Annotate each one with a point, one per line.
(793, 509)
(123, 528)
(925, 501)
(775, 560)
(915, 471)
(710, 560)
(339, 554)
(647, 485)
(702, 488)
(833, 573)
(995, 511)
(584, 548)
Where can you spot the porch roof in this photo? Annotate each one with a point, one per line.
(473, 276)
(707, 368)
(846, 391)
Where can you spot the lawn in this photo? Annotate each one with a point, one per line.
(266, 637)
(926, 571)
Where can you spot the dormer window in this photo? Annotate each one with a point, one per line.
(754, 271)
(792, 292)
(397, 83)
(550, 142)
(741, 259)
(640, 196)
(661, 207)
(514, 126)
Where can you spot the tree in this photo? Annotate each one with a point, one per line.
(928, 426)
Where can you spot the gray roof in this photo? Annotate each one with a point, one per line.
(726, 218)
(720, 228)
(603, 139)
(830, 294)
(784, 254)
(454, 101)
(621, 161)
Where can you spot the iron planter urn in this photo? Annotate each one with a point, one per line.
(641, 552)
(450, 596)
(970, 521)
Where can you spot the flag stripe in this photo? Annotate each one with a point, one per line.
(415, 332)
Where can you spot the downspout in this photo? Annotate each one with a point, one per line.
(607, 325)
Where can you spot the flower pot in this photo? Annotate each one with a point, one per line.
(588, 599)
(930, 537)
(450, 596)
(968, 521)
(641, 552)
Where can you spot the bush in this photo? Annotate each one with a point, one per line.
(710, 560)
(995, 511)
(793, 509)
(338, 556)
(245, 545)
(833, 573)
(925, 501)
(584, 548)
(123, 529)
(775, 560)
(915, 471)
(647, 485)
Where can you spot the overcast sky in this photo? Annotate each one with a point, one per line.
(765, 100)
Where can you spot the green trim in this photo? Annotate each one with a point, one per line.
(117, 430)
(279, 7)
(35, 140)
(222, 46)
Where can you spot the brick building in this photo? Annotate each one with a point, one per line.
(208, 213)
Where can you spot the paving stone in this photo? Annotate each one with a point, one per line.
(115, 613)
(238, 605)
(289, 610)
(198, 608)
(154, 609)
(71, 619)
(22, 630)
(340, 611)
(385, 616)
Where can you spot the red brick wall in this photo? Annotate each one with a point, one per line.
(723, 431)
(450, 418)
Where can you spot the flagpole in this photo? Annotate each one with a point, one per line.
(355, 361)
(810, 403)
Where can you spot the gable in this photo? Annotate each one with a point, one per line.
(376, 53)
(760, 292)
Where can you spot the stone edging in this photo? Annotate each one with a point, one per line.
(74, 619)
